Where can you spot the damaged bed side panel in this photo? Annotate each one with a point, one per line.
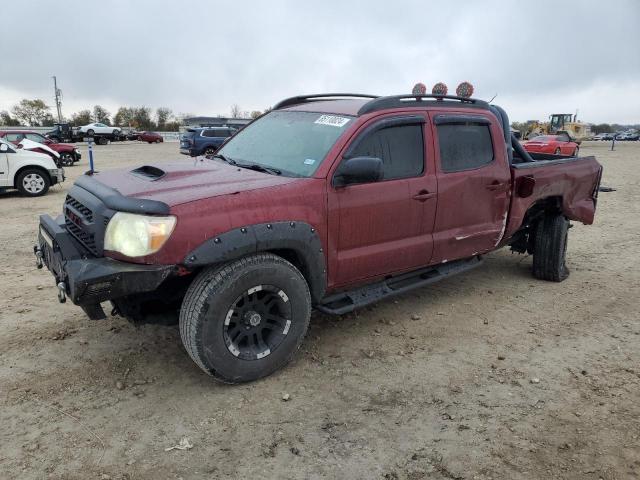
(574, 182)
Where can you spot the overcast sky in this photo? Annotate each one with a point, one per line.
(201, 57)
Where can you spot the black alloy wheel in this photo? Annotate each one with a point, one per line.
(257, 322)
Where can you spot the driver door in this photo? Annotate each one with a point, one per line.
(381, 227)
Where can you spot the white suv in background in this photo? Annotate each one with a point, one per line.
(29, 172)
(98, 128)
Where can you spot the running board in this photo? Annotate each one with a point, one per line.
(344, 302)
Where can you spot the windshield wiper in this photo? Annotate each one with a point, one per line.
(259, 168)
(230, 161)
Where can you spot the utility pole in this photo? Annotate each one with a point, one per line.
(58, 95)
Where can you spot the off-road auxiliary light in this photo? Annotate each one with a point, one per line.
(419, 89)
(464, 90)
(439, 89)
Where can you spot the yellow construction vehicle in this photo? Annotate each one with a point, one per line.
(559, 123)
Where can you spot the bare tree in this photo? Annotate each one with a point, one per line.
(83, 117)
(163, 115)
(101, 115)
(235, 111)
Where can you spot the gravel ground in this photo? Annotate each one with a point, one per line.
(490, 374)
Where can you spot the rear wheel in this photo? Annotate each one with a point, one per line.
(33, 182)
(90, 132)
(210, 151)
(576, 151)
(246, 319)
(550, 248)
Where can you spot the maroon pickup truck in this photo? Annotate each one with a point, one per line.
(328, 202)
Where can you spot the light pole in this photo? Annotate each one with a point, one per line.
(58, 96)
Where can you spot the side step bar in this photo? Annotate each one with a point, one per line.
(344, 302)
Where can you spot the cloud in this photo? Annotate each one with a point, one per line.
(201, 57)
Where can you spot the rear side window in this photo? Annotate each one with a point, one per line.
(222, 133)
(464, 146)
(400, 148)
(208, 133)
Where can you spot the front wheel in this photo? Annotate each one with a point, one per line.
(67, 159)
(90, 132)
(33, 182)
(550, 248)
(557, 152)
(246, 319)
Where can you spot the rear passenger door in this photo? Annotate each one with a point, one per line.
(474, 181)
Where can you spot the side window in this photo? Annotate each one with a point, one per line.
(400, 148)
(208, 133)
(464, 146)
(14, 137)
(35, 137)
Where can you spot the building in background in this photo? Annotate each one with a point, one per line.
(192, 122)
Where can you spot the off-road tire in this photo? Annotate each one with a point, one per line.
(40, 176)
(209, 299)
(550, 248)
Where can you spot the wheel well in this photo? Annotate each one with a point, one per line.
(521, 240)
(29, 167)
(298, 261)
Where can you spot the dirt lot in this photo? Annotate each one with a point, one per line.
(490, 374)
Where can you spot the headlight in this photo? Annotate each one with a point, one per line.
(137, 235)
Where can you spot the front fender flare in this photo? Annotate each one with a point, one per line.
(299, 237)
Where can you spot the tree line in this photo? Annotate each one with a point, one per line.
(36, 113)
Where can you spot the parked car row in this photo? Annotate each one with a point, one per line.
(629, 136)
(67, 154)
(28, 171)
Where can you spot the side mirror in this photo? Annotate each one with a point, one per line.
(4, 148)
(358, 170)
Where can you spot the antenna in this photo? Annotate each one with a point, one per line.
(58, 96)
(493, 98)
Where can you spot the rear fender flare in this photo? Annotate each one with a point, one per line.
(291, 236)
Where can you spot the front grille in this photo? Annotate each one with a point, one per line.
(78, 219)
(85, 211)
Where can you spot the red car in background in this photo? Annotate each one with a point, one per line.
(554, 144)
(150, 137)
(69, 154)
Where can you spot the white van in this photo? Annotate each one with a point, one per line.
(30, 172)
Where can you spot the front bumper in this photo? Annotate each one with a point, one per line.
(57, 176)
(88, 280)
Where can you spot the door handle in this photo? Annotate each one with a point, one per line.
(423, 196)
(496, 185)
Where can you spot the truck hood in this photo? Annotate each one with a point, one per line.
(187, 181)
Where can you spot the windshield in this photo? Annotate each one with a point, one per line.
(292, 142)
(543, 138)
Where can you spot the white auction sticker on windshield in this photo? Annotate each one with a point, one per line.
(332, 120)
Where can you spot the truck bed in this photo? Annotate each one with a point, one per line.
(573, 180)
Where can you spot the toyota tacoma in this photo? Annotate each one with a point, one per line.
(328, 202)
